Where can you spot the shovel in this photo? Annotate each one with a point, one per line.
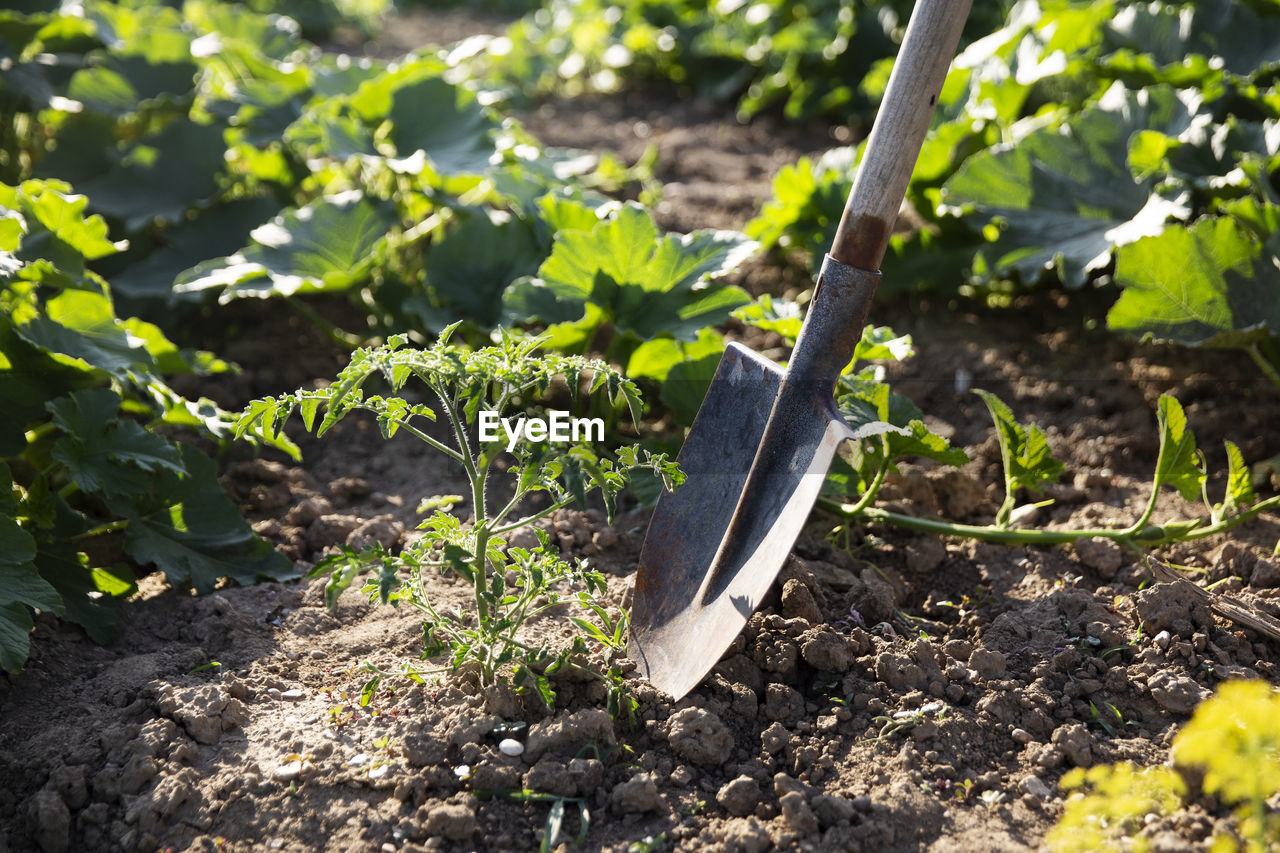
(759, 449)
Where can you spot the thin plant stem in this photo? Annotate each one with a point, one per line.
(530, 519)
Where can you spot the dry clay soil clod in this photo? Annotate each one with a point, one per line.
(764, 437)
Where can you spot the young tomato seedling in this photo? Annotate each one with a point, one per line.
(511, 584)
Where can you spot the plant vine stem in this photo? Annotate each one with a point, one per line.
(870, 494)
(1268, 369)
(34, 435)
(1126, 536)
(103, 529)
(312, 316)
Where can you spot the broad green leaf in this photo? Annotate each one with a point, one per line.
(471, 268)
(31, 378)
(1210, 285)
(871, 409)
(773, 315)
(274, 36)
(1179, 464)
(82, 325)
(1024, 452)
(19, 581)
(118, 85)
(63, 215)
(881, 342)
(104, 454)
(205, 538)
(684, 369)
(443, 123)
(161, 176)
(15, 636)
(1063, 195)
(1176, 39)
(646, 284)
(217, 232)
(328, 245)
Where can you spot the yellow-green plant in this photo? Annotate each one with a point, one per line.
(1232, 741)
(1109, 813)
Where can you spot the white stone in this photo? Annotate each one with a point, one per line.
(511, 746)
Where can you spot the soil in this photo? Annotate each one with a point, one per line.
(899, 692)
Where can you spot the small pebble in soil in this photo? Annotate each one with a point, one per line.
(379, 771)
(273, 693)
(292, 695)
(511, 746)
(359, 759)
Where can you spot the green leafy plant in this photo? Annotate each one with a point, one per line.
(510, 584)
(622, 277)
(1027, 462)
(1118, 798)
(89, 486)
(1074, 146)
(801, 60)
(1232, 742)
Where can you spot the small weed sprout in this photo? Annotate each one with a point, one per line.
(511, 585)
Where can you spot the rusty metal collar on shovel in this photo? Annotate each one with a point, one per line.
(762, 442)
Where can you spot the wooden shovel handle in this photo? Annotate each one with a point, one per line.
(927, 49)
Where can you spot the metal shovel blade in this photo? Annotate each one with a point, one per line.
(684, 616)
(759, 450)
(755, 460)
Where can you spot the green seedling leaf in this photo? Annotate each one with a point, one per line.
(198, 535)
(1024, 452)
(1063, 197)
(213, 664)
(1179, 464)
(1239, 495)
(327, 245)
(1210, 285)
(369, 690)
